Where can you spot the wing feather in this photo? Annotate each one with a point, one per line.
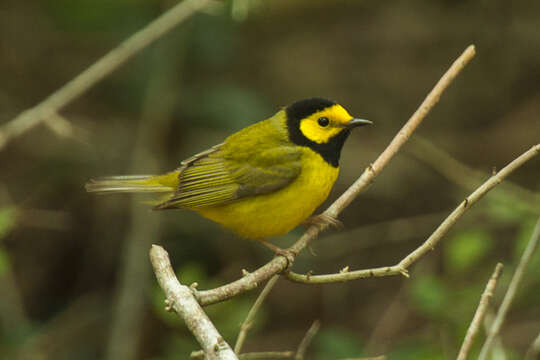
(215, 177)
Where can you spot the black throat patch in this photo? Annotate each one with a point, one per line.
(329, 151)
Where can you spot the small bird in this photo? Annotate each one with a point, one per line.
(263, 180)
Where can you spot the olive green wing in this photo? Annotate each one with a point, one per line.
(218, 177)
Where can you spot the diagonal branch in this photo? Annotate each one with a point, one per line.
(480, 313)
(99, 70)
(512, 289)
(267, 355)
(248, 322)
(470, 178)
(280, 263)
(403, 135)
(534, 349)
(181, 300)
(306, 341)
(434, 238)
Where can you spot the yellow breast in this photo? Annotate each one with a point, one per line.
(281, 211)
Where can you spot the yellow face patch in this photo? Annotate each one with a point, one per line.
(316, 130)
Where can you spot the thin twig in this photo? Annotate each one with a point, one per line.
(534, 349)
(280, 263)
(181, 299)
(480, 313)
(253, 355)
(306, 341)
(12, 310)
(403, 135)
(434, 238)
(248, 322)
(392, 319)
(512, 290)
(468, 177)
(60, 125)
(99, 70)
(267, 355)
(498, 351)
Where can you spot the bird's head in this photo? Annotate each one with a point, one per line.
(321, 124)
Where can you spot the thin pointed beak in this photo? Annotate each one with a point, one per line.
(358, 122)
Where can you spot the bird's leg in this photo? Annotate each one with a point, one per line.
(289, 255)
(323, 219)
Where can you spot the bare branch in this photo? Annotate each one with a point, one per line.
(498, 352)
(99, 70)
(512, 289)
(267, 355)
(306, 341)
(470, 178)
(280, 263)
(246, 283)
(271, 355)
(470, 200)
(403, 135)
(181, 299)
(434, 238)
(347, 275)
(480, 313)
(534, 349)
(248, 322)
(60, 125)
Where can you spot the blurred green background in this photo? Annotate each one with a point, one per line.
(75, 280)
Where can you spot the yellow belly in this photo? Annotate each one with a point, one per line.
(281, 211)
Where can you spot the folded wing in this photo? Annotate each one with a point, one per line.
(217, 177)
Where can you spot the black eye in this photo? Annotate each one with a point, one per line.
(323, 121)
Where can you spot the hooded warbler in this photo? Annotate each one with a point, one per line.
(263, 180)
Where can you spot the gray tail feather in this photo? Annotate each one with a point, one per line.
(125, 184)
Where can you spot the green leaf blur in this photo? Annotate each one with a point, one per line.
(466, 249)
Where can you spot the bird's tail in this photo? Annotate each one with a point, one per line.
(134, 184)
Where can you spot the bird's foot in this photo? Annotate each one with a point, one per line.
(289, 255)
(322, 220)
